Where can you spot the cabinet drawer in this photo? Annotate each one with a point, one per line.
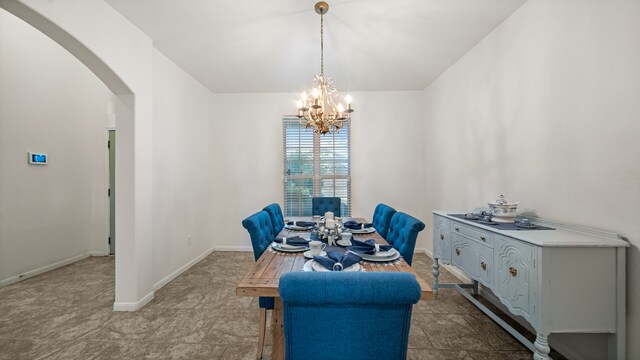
(475, 259)
(471, 233)
(516, 284)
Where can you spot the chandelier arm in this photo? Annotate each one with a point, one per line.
(332, 104)
(322, 102)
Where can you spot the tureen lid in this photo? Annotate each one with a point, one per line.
(503, 201)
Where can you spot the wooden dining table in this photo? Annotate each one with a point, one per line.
(264, 276)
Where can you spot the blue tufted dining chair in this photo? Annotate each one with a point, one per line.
(261, 232)
(277, 219)
(352, 309)
(382, 218)
(403, 232)
(320, 205)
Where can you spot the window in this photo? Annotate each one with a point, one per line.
(315, 165)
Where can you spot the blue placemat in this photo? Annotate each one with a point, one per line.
(502, 226)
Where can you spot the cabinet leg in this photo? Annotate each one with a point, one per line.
(436, 273)
(542, 348)
(475, 288)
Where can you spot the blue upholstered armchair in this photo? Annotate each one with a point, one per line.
(277, 220)
(403, 232)
(340, 316)
(382, 219)
(320, 205)
(261, 232)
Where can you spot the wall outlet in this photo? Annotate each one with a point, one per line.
(188, 240)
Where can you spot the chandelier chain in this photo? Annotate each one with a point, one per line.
(322, 45)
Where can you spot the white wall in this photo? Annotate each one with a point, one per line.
(121, 56)
(546, 110)
(387, 156)
(51, 103)
(183, 168)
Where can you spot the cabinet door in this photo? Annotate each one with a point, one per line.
(442, 240)
(514, 260)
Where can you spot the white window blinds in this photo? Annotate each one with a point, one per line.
(315, 165)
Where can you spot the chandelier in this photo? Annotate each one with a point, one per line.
(318, 108)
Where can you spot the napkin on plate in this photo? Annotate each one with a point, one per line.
(302, 223)
(354, 225)
(367, 247)
(336, 261)
(293, 241)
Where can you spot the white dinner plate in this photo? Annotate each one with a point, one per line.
(307, 266)
(308, 255)
(278, 247)
(384, 254)
(368, 230)
(379, 259)
(291, 247)
(314, 266)
(298, 228)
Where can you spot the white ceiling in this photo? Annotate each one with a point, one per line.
(274, 46)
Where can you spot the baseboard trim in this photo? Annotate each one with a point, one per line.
(43, 269)
(564, 350)
(232, 248)
(133, 306)
(98, 253)
(182, 269)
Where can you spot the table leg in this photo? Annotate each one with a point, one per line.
(278, 352)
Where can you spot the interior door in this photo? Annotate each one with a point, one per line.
(112, 192)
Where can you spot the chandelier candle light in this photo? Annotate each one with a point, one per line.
(317, 109)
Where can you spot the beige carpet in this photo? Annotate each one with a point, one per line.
(66, 314)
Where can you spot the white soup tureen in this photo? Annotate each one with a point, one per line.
(502, 210)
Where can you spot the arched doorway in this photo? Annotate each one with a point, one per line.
(133, 286)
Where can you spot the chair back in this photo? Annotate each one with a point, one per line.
(320, 205)
(261, 231)
(382, 218)
(277, 220)
(403, 232)
(358, 315)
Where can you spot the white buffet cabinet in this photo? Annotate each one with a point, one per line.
(567, 280)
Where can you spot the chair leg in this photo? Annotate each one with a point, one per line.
(262, 332)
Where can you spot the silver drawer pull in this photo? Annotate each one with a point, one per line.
(513, 271)
(483, 238)
(483, 265)
(441, 236)
(458, 252)
(457, 228)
